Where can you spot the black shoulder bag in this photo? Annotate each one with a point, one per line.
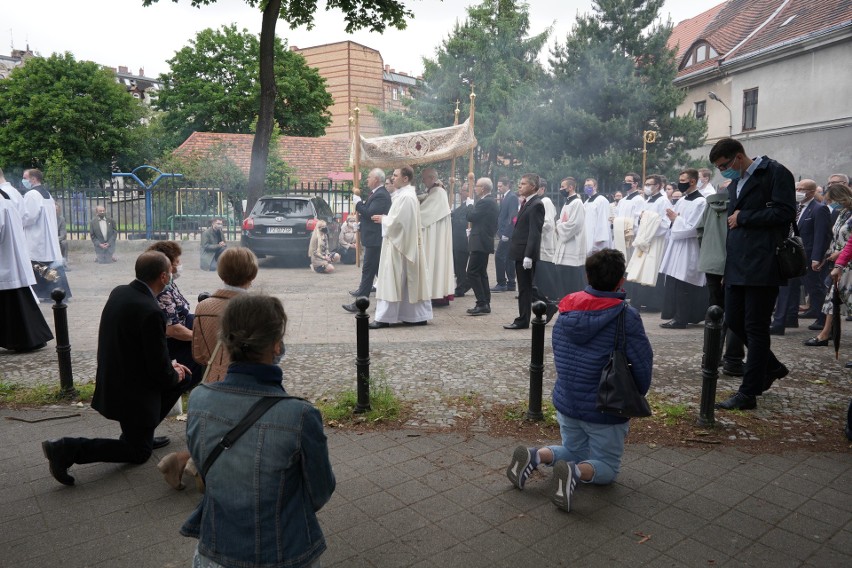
(617, 391)
(792, 260)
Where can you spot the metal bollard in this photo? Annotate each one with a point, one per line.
(362, 360)
(536, 362)
(713, 342)
(63, 344)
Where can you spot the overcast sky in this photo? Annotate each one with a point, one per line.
(122, 32)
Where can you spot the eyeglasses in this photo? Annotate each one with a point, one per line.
(727, 165)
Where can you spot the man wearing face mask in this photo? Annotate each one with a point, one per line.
(103, 234)
(685, 296)
(761, 207)
(38, 216)
(598, 234)
(136, 384)
(649, 247)
(212, 244)
(570, 256)
(813, 221)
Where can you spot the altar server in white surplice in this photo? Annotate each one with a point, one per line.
(570, 255)
(686, 295)
(649, 245)
(546, 279)
(402, 288)
(598, 234)
(437, 238)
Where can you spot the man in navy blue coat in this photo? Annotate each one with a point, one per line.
(761, 207)
(505, 228)
(814, 223)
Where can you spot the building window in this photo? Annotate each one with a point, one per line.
(700, 109)
(750, 109)
(395, 94)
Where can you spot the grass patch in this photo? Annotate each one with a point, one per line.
(385, 406)
(669, 413)
(518, 411)
(41, 395)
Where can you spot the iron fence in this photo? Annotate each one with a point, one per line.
(174, 210)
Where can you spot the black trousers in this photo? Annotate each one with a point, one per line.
(748, 311)
(460, 270)
(505, 267)
(477, 277)
(734, 348)
(369, 270)
(814, 283)
(527, 293)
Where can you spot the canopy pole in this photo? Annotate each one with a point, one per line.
(452, 192)
(356, 175)
(470, 177)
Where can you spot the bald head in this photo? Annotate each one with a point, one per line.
(151, 266)
(808, 187)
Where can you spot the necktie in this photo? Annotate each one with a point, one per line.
(799, 208)
(521, 208)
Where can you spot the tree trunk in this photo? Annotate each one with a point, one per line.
(260, 146)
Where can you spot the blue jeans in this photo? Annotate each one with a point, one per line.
(599, 445)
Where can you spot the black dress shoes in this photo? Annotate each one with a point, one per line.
(733, 369)
(673, 325)
(350, 308)
(516, 325)
(776, 330)
(739, 401)
(791, 323)
(771, 376)
(552, 309)
(816, 326)
(354, 293)
(414, 322)
(480, 310)
(378, 325)
(161, 441)
(59, 461)
(816, 342)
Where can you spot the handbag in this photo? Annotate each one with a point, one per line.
(617, 391)
(792, 261)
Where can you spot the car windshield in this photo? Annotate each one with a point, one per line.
(286, 207)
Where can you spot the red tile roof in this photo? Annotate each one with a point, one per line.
(738, 28)
(312, 159)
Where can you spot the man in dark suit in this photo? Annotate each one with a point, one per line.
(483, 225)
(377, 203)
(103, 234)
(458, 221)
(505, 227)
(813, 221)
(135, 384)
(761, 206)
(524, 249)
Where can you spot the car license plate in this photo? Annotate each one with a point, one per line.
(274, 230)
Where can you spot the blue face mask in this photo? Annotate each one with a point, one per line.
(277, 358)
(588, 189)
(27, 184)
(731, 174)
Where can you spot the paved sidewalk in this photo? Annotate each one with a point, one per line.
(425, 499)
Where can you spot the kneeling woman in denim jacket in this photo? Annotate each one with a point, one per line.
(261, 498)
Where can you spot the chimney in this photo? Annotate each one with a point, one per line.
(141, 71)
(122, 69)
(392, 70)
(387, 68)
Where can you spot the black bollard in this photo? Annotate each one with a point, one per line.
(63, 344)
(713, 342)
(362, 361)
(537, 362)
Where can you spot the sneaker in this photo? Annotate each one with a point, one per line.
(563, 483)
(524, 462)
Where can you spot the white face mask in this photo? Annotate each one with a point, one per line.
(648, 189)
(800, 196)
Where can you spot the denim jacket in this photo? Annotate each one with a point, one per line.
(262, 494)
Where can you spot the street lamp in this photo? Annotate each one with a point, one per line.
(716, 98)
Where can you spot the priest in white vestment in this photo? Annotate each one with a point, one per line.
(22, 325)
(570, 254)
(649, 245)
(546, 279)
(437, 227)
(598, 234)
(402, 288)
(686, 296)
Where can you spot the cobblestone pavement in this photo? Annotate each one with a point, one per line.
(454, 356)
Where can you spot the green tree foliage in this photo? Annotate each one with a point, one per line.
(213, 86)
(611, 80)
(67, 116)
(371, 14)
(492, 50)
